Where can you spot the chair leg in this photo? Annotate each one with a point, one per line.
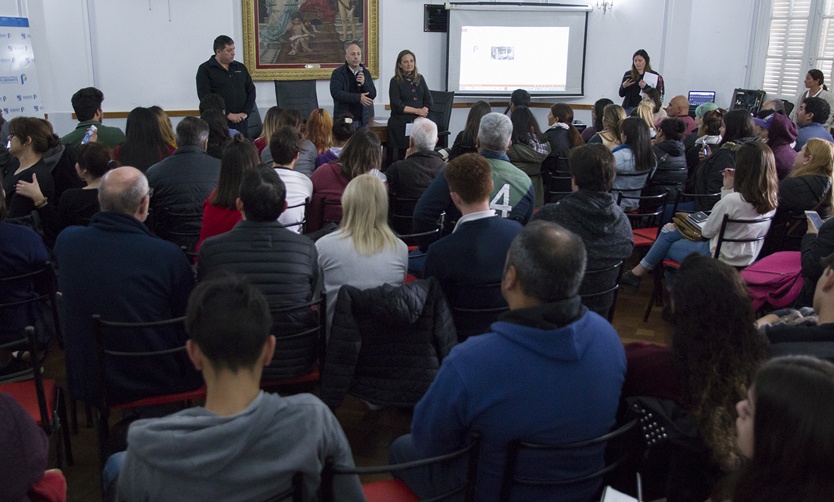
(56, 432)
(656, 298)
(73, 416)
(88, 414)
(63, 425)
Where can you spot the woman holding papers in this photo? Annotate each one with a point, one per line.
(410, 98)
(749, 192)
(638, 78)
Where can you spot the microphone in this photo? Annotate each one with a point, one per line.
(361, 70)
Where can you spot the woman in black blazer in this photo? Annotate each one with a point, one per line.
(409, 97)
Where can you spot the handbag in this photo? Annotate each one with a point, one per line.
(686, 228)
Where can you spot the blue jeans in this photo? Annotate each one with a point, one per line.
(431, 480)
(672, 245)
(111, 471)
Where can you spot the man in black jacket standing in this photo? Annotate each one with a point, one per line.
(280, 262)
(222, 75)
(352, 88)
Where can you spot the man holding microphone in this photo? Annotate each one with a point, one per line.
(353, 88)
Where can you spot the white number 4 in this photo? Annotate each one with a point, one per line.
(504, 196)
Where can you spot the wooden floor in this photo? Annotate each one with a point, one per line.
(369, 432)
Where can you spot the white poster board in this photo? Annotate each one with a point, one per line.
(19, 91)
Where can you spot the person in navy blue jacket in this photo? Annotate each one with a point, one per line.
(469, 262)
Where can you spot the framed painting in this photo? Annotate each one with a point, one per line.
(306, 39)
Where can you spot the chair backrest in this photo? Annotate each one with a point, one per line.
(650, 211)
(330, 211)
(303, 222)
(24, 291)
(297, 95)
(558, 187)
(683, 196)
(300, 333)
(402, 213)
(465, 491)
(475, 307)
(726, 221)
(644, 178)
(600, 288)
(412, 238)
(441, 113)
(510, 477)
(180, 225)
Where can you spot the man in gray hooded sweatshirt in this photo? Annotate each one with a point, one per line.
(244, 444)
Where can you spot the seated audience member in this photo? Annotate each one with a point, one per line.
(679, 109)
(285, 146)
(643, 111)
(561, 134)
(362, 154)
(24, 451)
(501, 384)
(708, 176)
(466, 140)
(320, 130)
(748, 193)
(165, 126)
(86, 103)
(519, 97)
(343, 129)
(60, 159)
(29, 139)
(705, 289)
(78, 205)
(591, 213)
(784, 429)
(182, 182)
(669, 151)
(634, 156)
(612, 116)
(803, 335)
(528, 148)
(409, 178)
(144, 145)
(596, 118)
(213, 101)
(283, 264)
(219, 135)
(811, 118)
(700, 111)
(220, 213)
(271, 125)
(774, 106)
(116, 268)
(654, 97)
(807, 188)
(21, 251)
(512, 193)
(364, 252)
(781, 134)
(306, 162)
(473, 255)
(707, 141)
(816, 245)
(243, 443)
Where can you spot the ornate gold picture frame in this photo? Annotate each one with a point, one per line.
(305, 39)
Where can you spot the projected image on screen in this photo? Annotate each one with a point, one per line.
(501, 58)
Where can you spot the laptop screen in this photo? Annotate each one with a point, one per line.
(700, 97)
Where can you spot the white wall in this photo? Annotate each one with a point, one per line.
(145, 52)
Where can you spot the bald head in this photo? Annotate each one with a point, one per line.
(353, 56)
(124, 190)
(678, 106)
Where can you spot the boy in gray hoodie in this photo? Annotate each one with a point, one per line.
(243, 444)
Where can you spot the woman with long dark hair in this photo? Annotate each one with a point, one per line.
(634, 156)
(596, 118)
(668, 149)
(220, 213)
(218, 132)
(736, 130)
(466, 139)
(342, 130)
(528, 148)
(633, 80)
(409, 97)
(144, 144)
(748, 193)
(784, 430)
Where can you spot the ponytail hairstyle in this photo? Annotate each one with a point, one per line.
(563, 113)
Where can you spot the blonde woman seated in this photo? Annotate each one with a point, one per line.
(612, 116)
(364, 252)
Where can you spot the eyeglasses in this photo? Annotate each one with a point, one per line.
(150, 192)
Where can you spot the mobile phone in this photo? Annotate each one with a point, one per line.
(92, 130)
(815, 219)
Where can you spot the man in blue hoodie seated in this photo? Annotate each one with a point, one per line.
(243, 444)
(549, 372)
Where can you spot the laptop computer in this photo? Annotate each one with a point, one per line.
(700, 97)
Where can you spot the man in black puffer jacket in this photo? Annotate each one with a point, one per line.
(181, 183)
(282, 263)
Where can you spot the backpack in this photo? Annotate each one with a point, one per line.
(775, 280)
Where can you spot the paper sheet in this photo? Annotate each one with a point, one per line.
(408, 130)
(612, 495)
(650, 79)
